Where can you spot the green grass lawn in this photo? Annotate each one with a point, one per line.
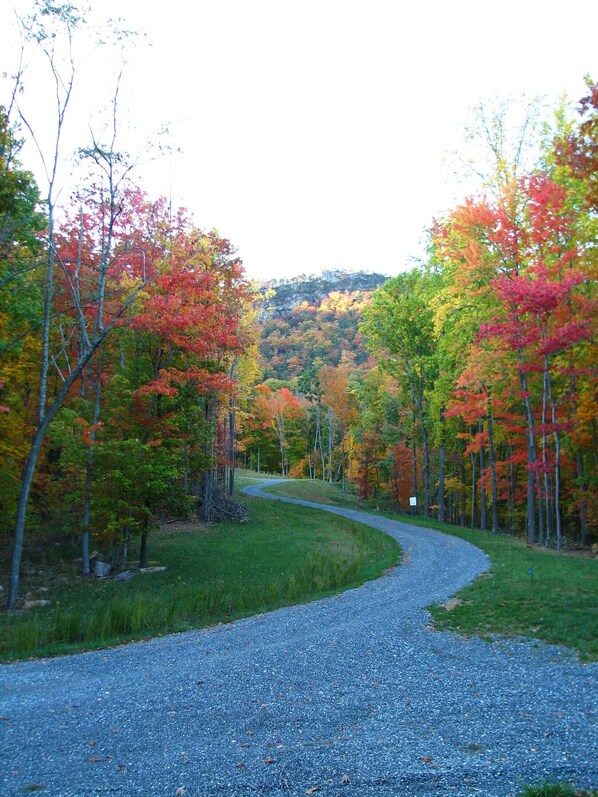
(289, 554)
(528, 592)
(318, 491)
(283, 555)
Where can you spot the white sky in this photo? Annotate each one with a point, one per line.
(313, 133)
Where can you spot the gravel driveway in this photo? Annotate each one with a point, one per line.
(353, 695)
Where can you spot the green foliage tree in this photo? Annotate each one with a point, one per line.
(399, 325)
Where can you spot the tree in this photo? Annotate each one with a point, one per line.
(519, 263)
(337, 396)
(578, 149)
(399, 326)
(21, 222)
(278, 410)
(49, 27)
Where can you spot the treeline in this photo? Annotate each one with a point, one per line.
(131, 383)
(295, 335)
(125, 335)
(482, 404)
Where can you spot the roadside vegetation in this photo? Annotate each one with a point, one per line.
(289, 554)
(556, 790)
(214, 574)
(529, 591)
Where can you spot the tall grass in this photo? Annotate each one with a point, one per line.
(214, 574)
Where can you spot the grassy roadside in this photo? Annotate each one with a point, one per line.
(317, 491)
(528, 592)
(214, 574)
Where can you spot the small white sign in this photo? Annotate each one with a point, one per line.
(413, 500)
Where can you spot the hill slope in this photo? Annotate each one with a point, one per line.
(309, 318)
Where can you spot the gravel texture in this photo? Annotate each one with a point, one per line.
(353, 695)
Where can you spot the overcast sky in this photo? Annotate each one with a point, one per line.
(314, 134)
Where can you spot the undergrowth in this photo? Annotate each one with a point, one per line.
(214, 574)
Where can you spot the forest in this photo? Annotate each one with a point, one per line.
(139, 367)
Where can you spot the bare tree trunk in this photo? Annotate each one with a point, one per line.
(531, 456)
(223, 487)
(97, 386)
(546, 479)
(209, 451)
(511, 498)
(557, 467)
(462, 519)
(417, 397)
(27, 479)
(330, 443)
(426, 454)
(441, 496)
(414, 459)
(48, 291)
(143, 548)
(231, 455)
(63, 93)
(492, 463)
(473, 484)
(541, 519)
(318, 443)
(483, 521)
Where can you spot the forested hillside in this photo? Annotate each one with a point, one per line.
(139, 366)
(313, 318)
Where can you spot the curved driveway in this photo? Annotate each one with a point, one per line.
(354, 695)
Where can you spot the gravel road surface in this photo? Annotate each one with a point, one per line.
(353, 695)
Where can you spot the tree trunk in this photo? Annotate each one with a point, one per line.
(29, 471)
(232, 435)
(483, 521)
(441, 496)
(426, 454)
(115, 554)
(414, 461)
(222, 484)
(97, 386)
(583, 507)
(545, 474)
(143, 549)
(463, 494)
(330, 444)
(512, 487)
(557, 468)
(531, 456)
(209, 450)
(319, 443)
(473, 484)
(282, 453)
(492, 462)
(441, 470)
